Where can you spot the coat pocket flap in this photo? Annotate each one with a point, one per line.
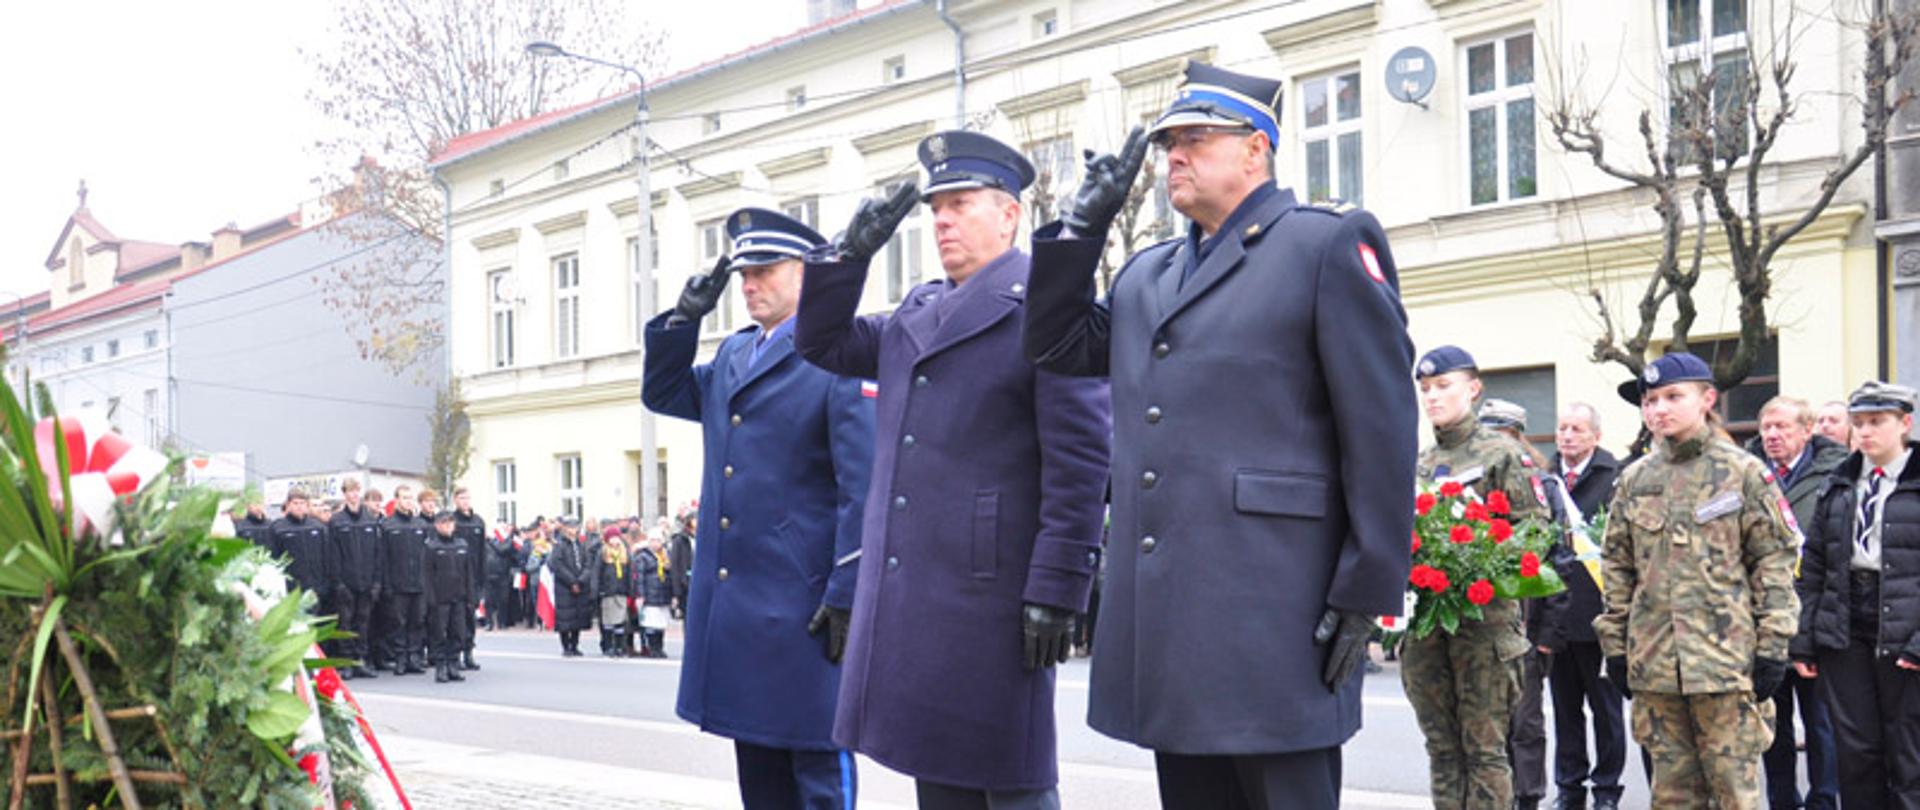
(1278, 493)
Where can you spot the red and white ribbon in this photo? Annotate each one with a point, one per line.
(103, 466)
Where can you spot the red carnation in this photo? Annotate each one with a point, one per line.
(1437, 580)
(1529, 564)
(1416, 542)
(1476, 512)
(1500, 530)
(1424, 504)
(1451, 489)
(1480, 592)
(327, 681)
(1461, 534)
(1419, 575)
(1498, 504)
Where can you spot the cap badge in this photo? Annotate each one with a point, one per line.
(1653, 374)
(937, 148)
(1426, 368)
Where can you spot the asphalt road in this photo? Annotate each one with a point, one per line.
(534, 724)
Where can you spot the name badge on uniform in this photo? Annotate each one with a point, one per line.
(1466, 476)
(1726, 503)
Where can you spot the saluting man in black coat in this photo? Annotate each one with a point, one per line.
(1263, 459)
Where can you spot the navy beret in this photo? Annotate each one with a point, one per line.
(1678, 367)
(1444, 359)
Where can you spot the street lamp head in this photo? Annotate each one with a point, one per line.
(541, 47)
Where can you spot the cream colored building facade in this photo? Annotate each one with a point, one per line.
(1496, 254)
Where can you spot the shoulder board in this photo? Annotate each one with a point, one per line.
(1334, 207)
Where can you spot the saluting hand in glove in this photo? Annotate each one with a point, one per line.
(874, 222)
(701, 294)
(1104, 191)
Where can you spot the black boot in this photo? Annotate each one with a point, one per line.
(363, 672)
(658, 640)
(467, 663)
(442, 672)
(416, 664)
(453, 669)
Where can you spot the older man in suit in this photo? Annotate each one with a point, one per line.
(1574, 676)
(1264, 442)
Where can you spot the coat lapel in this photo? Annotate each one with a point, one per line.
(774, 356)
(1000, 293)
(916, 317)
(1224, 259)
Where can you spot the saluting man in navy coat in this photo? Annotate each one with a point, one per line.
(1264, 442)
(788, 451)
(982, 536)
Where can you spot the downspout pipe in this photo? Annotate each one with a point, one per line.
(959, 65)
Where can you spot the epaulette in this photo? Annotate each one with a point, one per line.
(1334, 207)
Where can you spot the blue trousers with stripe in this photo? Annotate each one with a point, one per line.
(785, 779)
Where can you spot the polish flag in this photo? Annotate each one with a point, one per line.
(543, 603)
(869, 390)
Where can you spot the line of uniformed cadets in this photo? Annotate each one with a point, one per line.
(1244, 391)
(387, 577)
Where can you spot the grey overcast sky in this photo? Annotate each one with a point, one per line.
(183, 116)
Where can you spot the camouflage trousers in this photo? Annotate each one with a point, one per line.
(1704, 748)
(1463, 689)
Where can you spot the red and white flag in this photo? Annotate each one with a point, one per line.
(543, 603)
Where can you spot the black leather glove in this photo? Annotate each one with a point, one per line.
(834, 621)
(701, 294)
(1104, 190)
(1046, 631)
(1346, 633)
(1768, 673)
(1617, 672)
(874, 222)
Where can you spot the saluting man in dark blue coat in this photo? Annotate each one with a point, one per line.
(1263, 466)
(788, 451)
(983, 534)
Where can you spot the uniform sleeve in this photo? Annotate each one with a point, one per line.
(1073, 419)
(1367, 359)
(1065, 328)
(826, 330)
(427, 579)
(850, 439)
(1619, 571)
(1811, 580)
(671, 384)
(1768, 547)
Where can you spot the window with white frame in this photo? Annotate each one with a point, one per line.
(714, 244)
(573, 493)
(566, 306)
(1054, 163)
(1500, 127)
(1330, 137)
(796, 98)
(86, 354)
(902, 253)
(805, 209)
(150, 414)
(893, 69)
(1708, 70)
(153, 338)
(113, 348)
(1046, 24)
(502, 295)
(506, 493)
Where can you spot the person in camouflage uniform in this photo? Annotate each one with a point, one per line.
(1463, 686)
(1698, 563)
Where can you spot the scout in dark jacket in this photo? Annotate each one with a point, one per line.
(307, 548)
(613, 581)
(447, 582)
(362, 554)
(1264, 439)
(405, 536)
(983, 523)
(1860, 593)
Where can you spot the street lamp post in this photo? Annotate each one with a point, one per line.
(643, 247)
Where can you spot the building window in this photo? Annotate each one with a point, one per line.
(113, 414)
(561, 169)
(566, 306)
(1739, 406)
(635, 273)
(796, 98)
(86, 354)
(805, 209)
(893, 69)
(1054, 163)
(500, 304)
(710, 123)
(1330, 137)
(1532, 389)
(113, 348)
(152, 338)
(1708, 67)
(903, 250)
(713, 245)
(496, 188)
(506, 493)
(1046, 24)
(150, 413)
(1500, 131)
(572, 492)
(76, 264)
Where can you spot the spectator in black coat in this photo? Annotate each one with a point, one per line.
(653, 570)
(680, 550)
(1574, 675)
(614, 582)
(573, 567)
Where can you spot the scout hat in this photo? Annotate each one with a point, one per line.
(763, 237)
(1211, 96)
(1878, 396)
(1444, 359)
(1501, 414)
(957, 160)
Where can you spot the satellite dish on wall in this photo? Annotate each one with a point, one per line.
(1410, 76)
(360, 455)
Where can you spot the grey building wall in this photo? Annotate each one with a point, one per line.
(1901, 228)
(260, 364)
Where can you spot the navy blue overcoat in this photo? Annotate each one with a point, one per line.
(1264, 443)
(788, 451)
(987, 484)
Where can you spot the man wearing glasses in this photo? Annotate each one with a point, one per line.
(1264, 441)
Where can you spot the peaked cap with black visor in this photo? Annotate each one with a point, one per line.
(957, 160)
(762, 237)
(1211, 96)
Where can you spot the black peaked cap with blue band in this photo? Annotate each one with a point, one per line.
(958, 160)
(1442, 360)
(1211, 96)
(763, 237)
